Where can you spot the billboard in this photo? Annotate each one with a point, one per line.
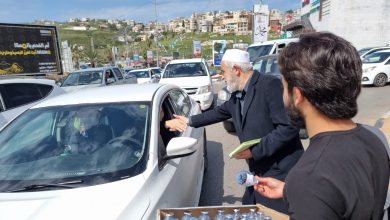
(29, 50)
(260, 23)
(219, 47)
(197, 48)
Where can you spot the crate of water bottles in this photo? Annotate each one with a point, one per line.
(246, 212)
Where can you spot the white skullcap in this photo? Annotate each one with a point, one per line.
(236, 55)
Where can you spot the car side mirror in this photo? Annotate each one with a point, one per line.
(213, 72)
(157, 76)
(58, 83)
(180, 147)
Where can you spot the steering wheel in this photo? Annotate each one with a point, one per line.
(125, 142)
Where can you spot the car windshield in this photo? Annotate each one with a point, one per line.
(258, 51)
(140, 73)
(377, 57)
(84, 78)
(184, 70)
(268, 66)
(94, 144)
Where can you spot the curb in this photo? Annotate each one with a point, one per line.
(384, 125)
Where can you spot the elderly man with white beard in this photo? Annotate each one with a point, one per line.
(256, 107)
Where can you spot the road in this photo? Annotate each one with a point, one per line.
(219, 185)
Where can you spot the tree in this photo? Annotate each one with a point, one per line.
(91, 56)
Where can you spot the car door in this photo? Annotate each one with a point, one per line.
(178, 181)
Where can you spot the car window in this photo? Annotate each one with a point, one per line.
(377, 57)
(18, 94)
(83, 78)
(77, 141)
(184, 70)
(118, 73)
(141, 74)
(258, 51)
(181, 102)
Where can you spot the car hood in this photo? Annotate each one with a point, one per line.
(74, 88)
(123, 199)
(187, 82)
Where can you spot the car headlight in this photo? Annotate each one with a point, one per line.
(204, 89)
(223, 95)
(369, 69)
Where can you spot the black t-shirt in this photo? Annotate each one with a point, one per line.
(342, 175)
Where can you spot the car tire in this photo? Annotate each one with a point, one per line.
(229, 126)
(380, 80)
(205, 157)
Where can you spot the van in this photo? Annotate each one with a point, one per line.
(257, 50)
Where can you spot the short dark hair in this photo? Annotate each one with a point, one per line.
(327, 70)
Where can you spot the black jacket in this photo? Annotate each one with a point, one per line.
(264, 117)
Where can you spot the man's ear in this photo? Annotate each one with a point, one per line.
(236, 70)
(297, 96)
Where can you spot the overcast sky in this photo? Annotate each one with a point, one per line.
(22, 11)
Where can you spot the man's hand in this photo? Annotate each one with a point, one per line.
(269, 187)
(179, 123)
(245, 154)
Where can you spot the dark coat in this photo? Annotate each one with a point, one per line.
(264, 117)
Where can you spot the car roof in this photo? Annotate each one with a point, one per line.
(193, 60)
(288, 40)
(106, 94)
(138, 70)
(36, 81)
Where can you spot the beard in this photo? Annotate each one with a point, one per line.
(233, 85)
(296, 117)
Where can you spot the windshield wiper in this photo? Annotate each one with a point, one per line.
(49, 185)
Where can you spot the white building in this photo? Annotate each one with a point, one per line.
(363, 23)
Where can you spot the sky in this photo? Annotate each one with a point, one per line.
(25, 11)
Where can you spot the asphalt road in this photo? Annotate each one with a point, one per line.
(219, 185)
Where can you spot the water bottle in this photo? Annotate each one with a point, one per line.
(170, 216)
(228, 217)
(187, 216)
(244, 217)
(220, 215)
(267, 218)
(204, 215)
(252, 214)
(260, 215)
(236, 214)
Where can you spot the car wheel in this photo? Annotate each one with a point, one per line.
(380, 80)
(205, 159)
(229, 126)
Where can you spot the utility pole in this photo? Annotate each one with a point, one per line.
(155, 31)
(126, 45)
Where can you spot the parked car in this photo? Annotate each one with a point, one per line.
(376, 68)
(17, 95)
(96, 154)
(257, 50)
(194, 77)
(371, 51)
(95, 77)
(145, 76)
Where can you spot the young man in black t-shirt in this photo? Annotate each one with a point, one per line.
(344, 173)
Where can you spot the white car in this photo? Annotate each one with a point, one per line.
(17, 95)
(194, 77)
(376, 68)
(97, 154)
(144, 76)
